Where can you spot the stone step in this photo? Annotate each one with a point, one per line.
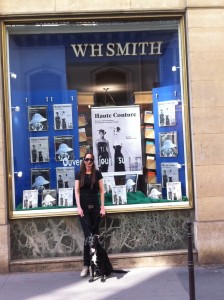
(170, 258)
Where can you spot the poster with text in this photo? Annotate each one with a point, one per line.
(117, 139)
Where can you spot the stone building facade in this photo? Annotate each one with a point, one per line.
(57, 237)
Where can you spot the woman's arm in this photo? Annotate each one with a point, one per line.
(77, 198)
(101, 188)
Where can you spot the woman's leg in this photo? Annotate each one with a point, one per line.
(95, 219)
(86, 227)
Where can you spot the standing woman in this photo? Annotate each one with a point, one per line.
(88, 183)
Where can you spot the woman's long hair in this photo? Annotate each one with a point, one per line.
(82, 171)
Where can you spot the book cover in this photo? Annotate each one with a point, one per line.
(168, 144)
(37, 117)
(170, 173)
(174, 192)
(63, 147)
(63, 116)
(30, 199)
(131, 182)
(39, 149)
(65, 197)
(109, 183)
(119, 195)
(49, 198)
(40, 179)
(154, 190)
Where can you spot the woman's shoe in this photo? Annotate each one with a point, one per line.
(85, 271)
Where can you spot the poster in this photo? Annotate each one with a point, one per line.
(63, 116)
(39, 149)
(117, 139)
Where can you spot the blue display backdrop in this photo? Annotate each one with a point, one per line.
(162, 96)
(22, 135)
(52, 67)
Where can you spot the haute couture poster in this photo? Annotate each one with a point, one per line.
(117, 139)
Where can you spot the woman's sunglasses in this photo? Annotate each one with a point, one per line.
(89, 159)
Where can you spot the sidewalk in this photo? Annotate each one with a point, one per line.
(154, 283)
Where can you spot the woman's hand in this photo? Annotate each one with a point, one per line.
(80, 212)
(102, 211)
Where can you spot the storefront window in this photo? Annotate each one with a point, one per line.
(115, 89)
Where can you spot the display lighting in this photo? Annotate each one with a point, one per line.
(19, 174)
(174, 68)
(13, 75)
(16, 108)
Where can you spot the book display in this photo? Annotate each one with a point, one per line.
(109, 91)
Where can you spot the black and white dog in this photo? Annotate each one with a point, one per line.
(100, 263)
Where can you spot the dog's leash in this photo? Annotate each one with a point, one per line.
(91, 230)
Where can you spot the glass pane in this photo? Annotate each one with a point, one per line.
(112, 88)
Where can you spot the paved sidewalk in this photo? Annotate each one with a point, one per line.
(154, 283)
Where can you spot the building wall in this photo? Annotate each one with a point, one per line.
(205, 55)
(205, 31)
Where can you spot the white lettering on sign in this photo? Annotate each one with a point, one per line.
(117, 49)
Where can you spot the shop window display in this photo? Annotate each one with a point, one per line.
(108, 88)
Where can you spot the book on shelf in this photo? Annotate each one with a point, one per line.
(82, 135)
(150, 162)
(148, 117)
(149, 132)
(150, 147)
(82, 120)
(151, 177)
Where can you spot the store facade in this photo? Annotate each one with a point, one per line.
(121, 86)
